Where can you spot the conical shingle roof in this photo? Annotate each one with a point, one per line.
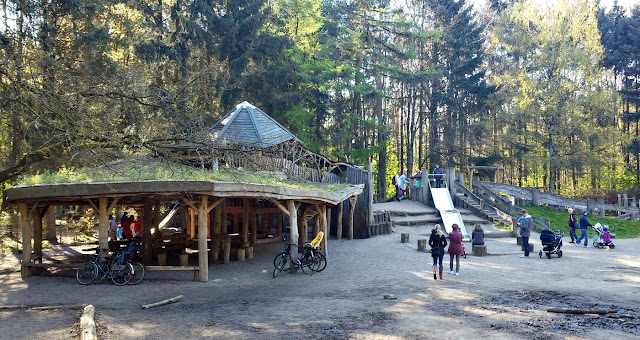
(248, 125)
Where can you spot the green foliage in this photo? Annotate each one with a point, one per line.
(559, 221)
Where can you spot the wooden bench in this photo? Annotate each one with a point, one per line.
(195, 269)
(52, 265)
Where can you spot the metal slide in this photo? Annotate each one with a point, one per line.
(449, 214)
(169, 216)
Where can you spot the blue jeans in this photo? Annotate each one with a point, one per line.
(525, 245)
(584, 233)
(437, 258)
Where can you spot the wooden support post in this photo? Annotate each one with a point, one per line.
(339, 226)
(352, 209)
(203, 259)
(50, 218)
(184, 221)
(302, 227)
(254, 229)
(269, 224)
(217, 232)
(103, 223)
(293, 227)
(279, 223)
(324, 226)
(147, 220)
(37, 234)
(25, 270)
(225, 222)
(245, 223)
(192, 223)
(156, 214)
(328, 229)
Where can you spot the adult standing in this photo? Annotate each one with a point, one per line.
(584, 223)
(573, 221)
(438, 242)
(455, 248)
(396, 182)
(525, 231)
(437, 175)
(113, 228)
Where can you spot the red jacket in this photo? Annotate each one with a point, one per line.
(455, 242)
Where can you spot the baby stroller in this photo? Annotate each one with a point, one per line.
(602, 239)
(551, 243)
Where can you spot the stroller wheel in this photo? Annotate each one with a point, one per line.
(611, 246)
(540, 254)
(549, 255)
(559, 253)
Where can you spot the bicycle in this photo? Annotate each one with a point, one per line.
(283, 261)
(99, 269)
(133, 257)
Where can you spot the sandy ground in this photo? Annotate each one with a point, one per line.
(500, 296)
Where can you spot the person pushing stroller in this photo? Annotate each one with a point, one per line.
(584, 223)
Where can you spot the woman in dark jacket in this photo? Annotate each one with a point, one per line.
(438, 242)
(477, 236)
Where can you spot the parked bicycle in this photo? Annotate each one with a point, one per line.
(98, 269)
(132, 255)
(310, 260)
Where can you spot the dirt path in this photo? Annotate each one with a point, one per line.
(498, 297)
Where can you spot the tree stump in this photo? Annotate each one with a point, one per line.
(404, 238)
(162, 259)
(530, 247)
(184, 259)
(240, 254)
(480, 250)
(422, 244)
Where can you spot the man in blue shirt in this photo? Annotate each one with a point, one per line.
(584, 223)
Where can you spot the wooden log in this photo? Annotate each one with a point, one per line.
(245, 222)
(162, 259)
(26, 239)
(37, 235)
(240, 253)
(184, 259)
(163, 302)
(581, 311)
(422, 245)
(249, 252)
(293, 229)
(203, 258)
(50, 219)
(352, 208)
(480, 250)
(227, 250)
(339, 222)
(88, 324)
(404, 238)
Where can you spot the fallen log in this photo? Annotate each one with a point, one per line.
(581, 311)
(59, 307)
(163, 302)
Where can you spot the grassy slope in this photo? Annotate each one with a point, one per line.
(560, 221)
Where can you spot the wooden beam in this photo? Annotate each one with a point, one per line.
(352, 209)
(189, 203)
(293, 229)
(203, 258)
(281, 207)
(339, 225)
(25, 271)
(215, 204)
(93, 205)
(113, 205)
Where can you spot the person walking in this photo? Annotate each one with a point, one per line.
(525, 231)
(455, 248)
(437, 175)
(584, 223)
(113, 228)
(573, 221)
(438, 242)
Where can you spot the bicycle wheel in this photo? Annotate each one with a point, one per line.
(86, 273)
(138, 273)
(121, 273)
(320, 262)
(280, 263)
(307, 263)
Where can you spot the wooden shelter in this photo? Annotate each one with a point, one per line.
(217, 200)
